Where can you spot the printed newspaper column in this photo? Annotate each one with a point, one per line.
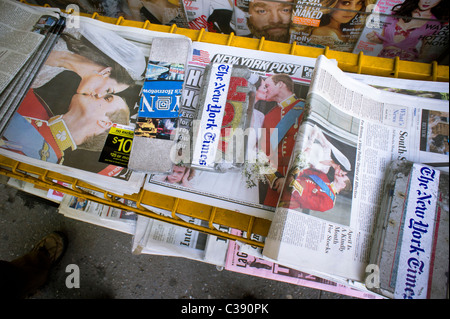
(409, 251)
(159, 108)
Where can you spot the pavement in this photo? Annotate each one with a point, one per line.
(108, 269)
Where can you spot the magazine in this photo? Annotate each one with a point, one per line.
(56, 126)
(240, 189)
(351, 134)
(211, 15)
(390, 31)
(329, 23)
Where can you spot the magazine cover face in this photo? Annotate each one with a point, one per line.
(336, 24)
(90, 82)
(263, 18)
(410, 29)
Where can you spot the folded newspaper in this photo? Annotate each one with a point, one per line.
(410, 253)
(326, 214)
(156, 237)
(241, 189)
(99, 214)
(28, 35)
(86, 87)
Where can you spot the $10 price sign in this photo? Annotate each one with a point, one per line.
(118, 146)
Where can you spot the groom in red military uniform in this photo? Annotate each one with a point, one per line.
(281, 125)
(312, 189)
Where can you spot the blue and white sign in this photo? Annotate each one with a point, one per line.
(161, 99)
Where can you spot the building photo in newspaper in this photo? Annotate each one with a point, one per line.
(374, 127)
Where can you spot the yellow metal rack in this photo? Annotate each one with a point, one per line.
(356, 63)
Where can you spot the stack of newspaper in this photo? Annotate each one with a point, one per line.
(28, 35)
(326, 216)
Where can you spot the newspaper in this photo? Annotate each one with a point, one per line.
(409, 254)
(248, 261)
(329, 23)
(240, 189)
(211, 15)
(22, 30)
(156, 237)
(268, 19)
(353, 131)
(92, 64)
(99, 214)
(50, 194)
(390, 32)
(428, 89)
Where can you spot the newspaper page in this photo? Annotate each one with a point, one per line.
(90, 82)
(247, 263)
(21, 32)
(160, 238)
(415, 199)
(353, 131)
(99, 214)
(412, 30)
(427, 89)
(329, 23)
(241, 189)
(50, 194)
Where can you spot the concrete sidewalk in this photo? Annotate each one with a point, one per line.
(108, 269)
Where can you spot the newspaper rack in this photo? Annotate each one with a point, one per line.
(348, 62)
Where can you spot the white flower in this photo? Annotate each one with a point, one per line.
(61, 135)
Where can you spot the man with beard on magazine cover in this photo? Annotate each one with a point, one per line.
(269, 19)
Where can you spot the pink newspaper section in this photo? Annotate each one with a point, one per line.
(244, 263)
